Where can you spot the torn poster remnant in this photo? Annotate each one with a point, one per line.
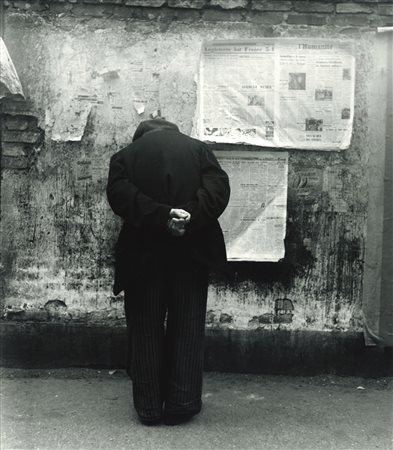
(70, 121)
(139, 106)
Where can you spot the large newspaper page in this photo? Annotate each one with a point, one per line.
(254, 222)
(287, 92)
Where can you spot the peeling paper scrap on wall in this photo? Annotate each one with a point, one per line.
(108, 75)
(139, 106)
(9, 80)
(70, 121)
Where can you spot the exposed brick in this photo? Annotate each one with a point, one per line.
(385, 10)
(229, 4)
(167, 15)
(115, 2)
(257, 5)
(22, 5)
(28, 137)
(11, 162)
(148, 3)
(142, 13)
(267, 18)
(17, 122)
(314, 7)
(306, 19)
(344, 20)
(13, 149)
(92, 10)
(264, 30)
(350, 31)
(222, 16)
(15, 106)
(381, 21)
(36, 6)
(125, 13)
(91, 1)
(59, 8)
(187, 16)
(193, 4)
(353, 8)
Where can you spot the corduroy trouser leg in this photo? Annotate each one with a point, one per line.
(166, 362)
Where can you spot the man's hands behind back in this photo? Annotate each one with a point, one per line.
(177, 221)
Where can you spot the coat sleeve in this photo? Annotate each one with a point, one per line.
(213, 195)
(127, 201)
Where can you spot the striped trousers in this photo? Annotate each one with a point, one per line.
(165, 310)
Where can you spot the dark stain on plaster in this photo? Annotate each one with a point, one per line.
(283, 313)
(297, 261)
(349, 253)
(283, 310)
(210, 316)
(55, 304)
(110, 75)
(301, 232)
(55, 309)
(318, 239)
(226, 318)
(19, 314)
(9, 258)
(266, 318)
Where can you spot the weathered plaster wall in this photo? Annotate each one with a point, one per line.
(95, 65)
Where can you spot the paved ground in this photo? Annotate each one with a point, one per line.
(90, 409)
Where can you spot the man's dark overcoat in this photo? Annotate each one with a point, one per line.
(164, 169)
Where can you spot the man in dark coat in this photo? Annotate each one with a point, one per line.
(170, 191)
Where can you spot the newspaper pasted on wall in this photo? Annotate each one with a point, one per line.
(284, 92)
(254, 222)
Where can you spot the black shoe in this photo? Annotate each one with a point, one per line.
(177, 419)
(150, 421)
